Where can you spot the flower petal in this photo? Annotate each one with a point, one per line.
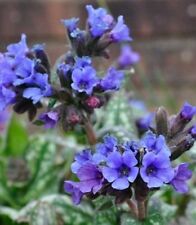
(120, 184)
(110, 174)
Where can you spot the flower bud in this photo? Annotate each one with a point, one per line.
(93, 102)
(183, 145)
(71, 117)
(161, 121)
(185, 115)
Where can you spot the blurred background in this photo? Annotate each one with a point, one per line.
(164, 34)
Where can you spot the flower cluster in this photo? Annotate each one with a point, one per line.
(102, 30)
(24, 78)
(25, 73)
(118, 168)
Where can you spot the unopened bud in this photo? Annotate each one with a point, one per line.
(161, 118)
(93, 102)
(182, 146)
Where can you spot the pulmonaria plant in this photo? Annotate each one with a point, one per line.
(130, 171)
(26, 81)
(125, 170)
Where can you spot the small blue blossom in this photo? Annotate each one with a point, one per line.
(187, 111)
(155, 144)
(120, 32)
(128, 57)
(73, 188)
(104, 149)
(84, 80)
(112, 80)
(80, 159)
(82, 62)
(49, 119)
(134, 146)
(181, 175)
(156, 169)
(99, 21)
(91, 180)
(40, 88)
(7, 97)
(71, 24)
(19, 49)
(121, 170)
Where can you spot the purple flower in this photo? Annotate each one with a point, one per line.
(156, 169)
(187, 111)
(50, 119)
(155, 144)
(99, 21)
(82, 62)
(103, 149)
(181, 175)
(7, 68)
(121, 170)
(112, 80)
(40, 88)
(19, 49)
(7, 97)
(145, 122)
(128, 57)
(73, 189)
(134, 146)
(71, 24)
(120, 32)
(91, 180)
(84, 80)
(80, 159)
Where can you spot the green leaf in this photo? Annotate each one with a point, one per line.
(16, 139)
(116, 117)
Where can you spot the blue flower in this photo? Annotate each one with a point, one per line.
(128, 57)
(91, 181)
(104, 149)
(82, 62)
(72, 188)
(120, 32)
(40, 88)
(49, 119)
(80, 159)
(19, 49)
(134, 146)
(71, 24)
(99, 21)
(112, 80)
(121, 170)
(187, 111)
(7, 97)
(156, 169)
(84, 80)
(181, 175)
(155, 144)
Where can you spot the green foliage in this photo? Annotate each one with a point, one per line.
(116, 117)
(16, 138)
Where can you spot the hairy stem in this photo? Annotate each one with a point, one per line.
(141, 210)
(132, 207)
(90, 133)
